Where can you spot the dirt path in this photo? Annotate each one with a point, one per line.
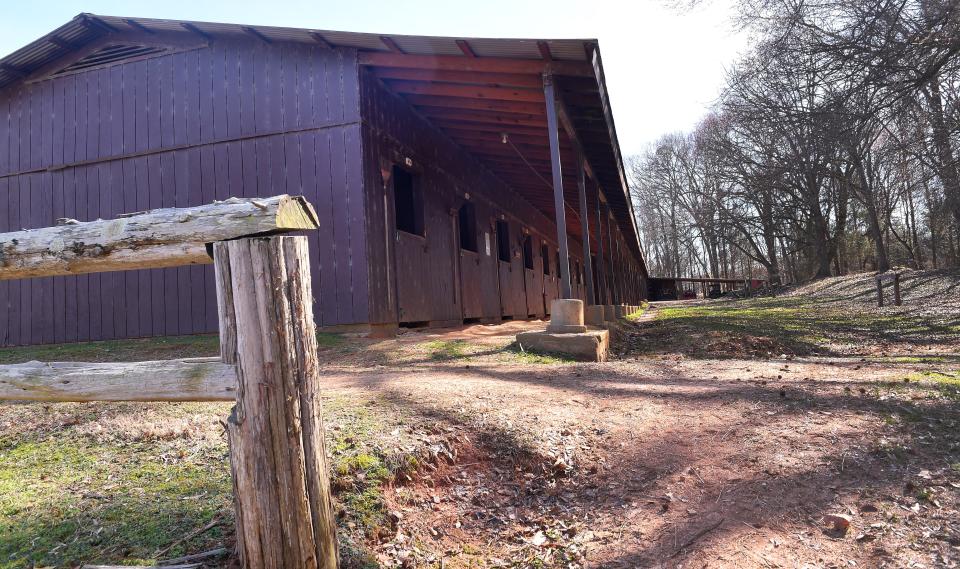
(674, 462)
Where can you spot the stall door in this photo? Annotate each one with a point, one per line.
(513, 302)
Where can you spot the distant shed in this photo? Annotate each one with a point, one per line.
(431, 161)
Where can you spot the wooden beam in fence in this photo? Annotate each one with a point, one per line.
(152, 239)
(284, 511)
(198, 379)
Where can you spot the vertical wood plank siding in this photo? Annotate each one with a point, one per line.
(235, 119)
(418, 277)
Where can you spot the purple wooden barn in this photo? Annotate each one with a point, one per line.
(434, 163)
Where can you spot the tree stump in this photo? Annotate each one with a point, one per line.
(281, 487)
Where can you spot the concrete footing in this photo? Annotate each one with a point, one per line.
(566, 316)
(609, 313)
(593, 315)
(589, 346)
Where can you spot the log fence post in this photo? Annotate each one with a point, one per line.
(284, 512)
(896, 290)
(879, 291)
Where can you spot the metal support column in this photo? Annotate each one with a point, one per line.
(585, 229)
(558, 209)
(614, 289)
(601, 271)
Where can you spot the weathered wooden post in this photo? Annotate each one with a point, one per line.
(879, 291)
(282, 497)
(896, 290)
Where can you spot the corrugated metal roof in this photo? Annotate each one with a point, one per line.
(87, 27)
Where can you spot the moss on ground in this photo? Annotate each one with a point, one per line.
(944, 383)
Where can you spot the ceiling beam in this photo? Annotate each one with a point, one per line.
(508, 107)
(483, 117)
(318, 37)
(464, 46)
(465, 91)
(544, 48)
(92, 21)
(137, 26)
(257, 34)
(460, 77)
(478, 127)
(61, 43)
(391, 44)
(194, 29)
(479, 64)
(13, 70)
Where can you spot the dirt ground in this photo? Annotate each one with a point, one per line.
(802, 430)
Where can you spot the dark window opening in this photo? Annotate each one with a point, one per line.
(545, 255)
(468, 227)
(407, 202)
(503, 241)
(528, 252)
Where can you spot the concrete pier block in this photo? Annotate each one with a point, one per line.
(593, 315)
(620, 310)
(590, 346)
(609, 313)
(566, 316)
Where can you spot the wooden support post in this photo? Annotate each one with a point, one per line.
(879, 292)
(896, 290)
(284, 512)
(585, 226)
(558, 204)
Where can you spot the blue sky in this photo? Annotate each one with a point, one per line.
(663, 67)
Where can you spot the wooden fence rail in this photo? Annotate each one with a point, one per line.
(153, 239)
(268, 362)
(199, 379)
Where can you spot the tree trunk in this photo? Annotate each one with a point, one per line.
(281, 488)
(947, 166)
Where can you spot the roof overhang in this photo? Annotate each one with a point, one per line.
(485, 94)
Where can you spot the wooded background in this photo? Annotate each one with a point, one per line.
(832, 148)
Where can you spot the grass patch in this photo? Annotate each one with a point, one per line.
(67, 500)
(326, 340)
(519, 354)
(792, 325)
(142, 349)
(445, 350)
(360, 468)
(946, 384)
(167, 347)
(634, 316)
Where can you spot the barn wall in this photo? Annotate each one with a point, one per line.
(234, 119)
(393, 132)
